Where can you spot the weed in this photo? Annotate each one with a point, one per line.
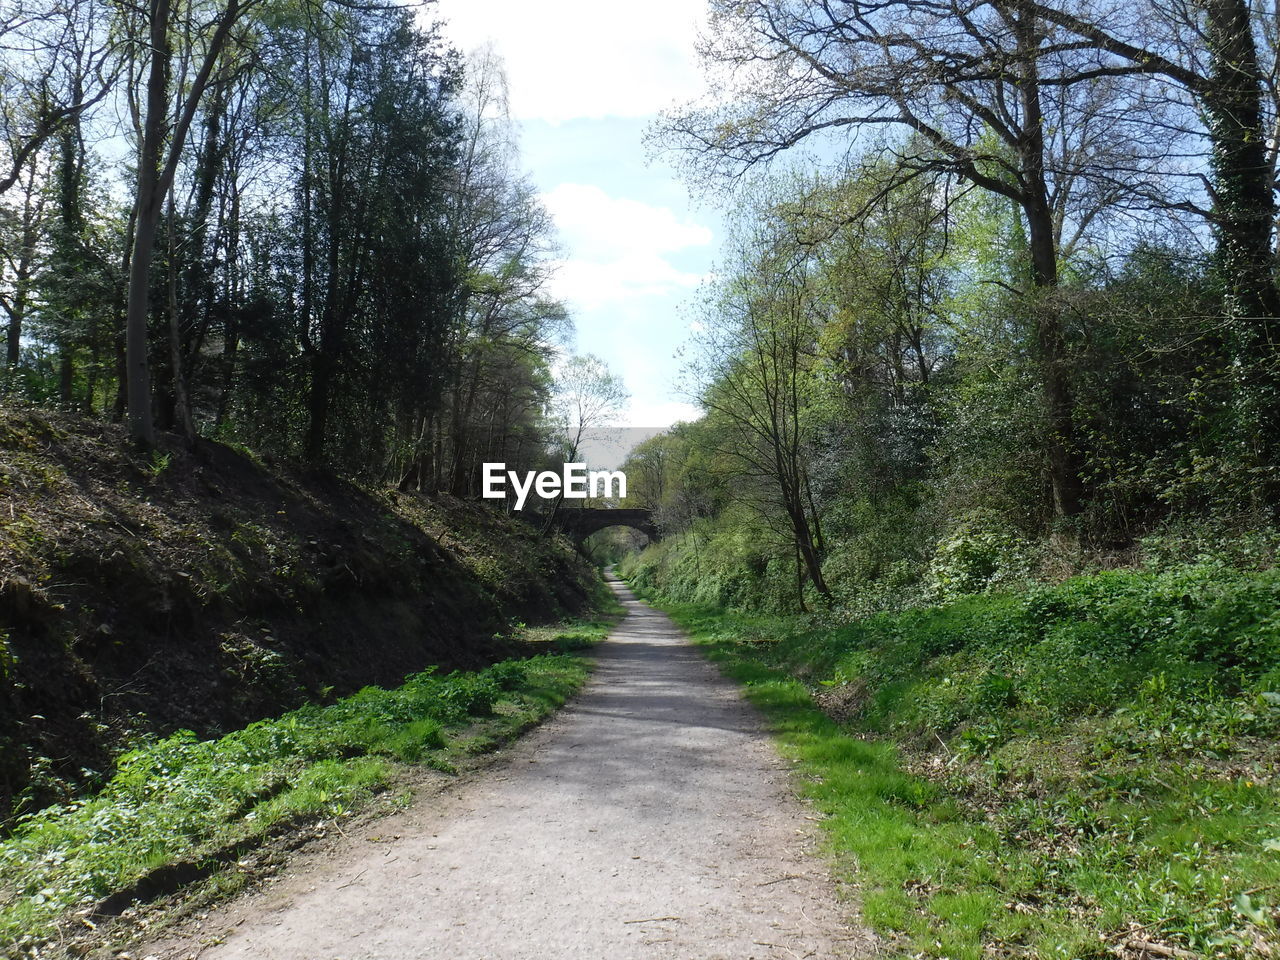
(157, 464)
(1041, 772)
(182, 798)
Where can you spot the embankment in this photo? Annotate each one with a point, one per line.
(205, 589)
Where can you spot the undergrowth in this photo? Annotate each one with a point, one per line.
(1078, 770)
(182, 800)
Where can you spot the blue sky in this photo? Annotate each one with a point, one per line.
(587, 78)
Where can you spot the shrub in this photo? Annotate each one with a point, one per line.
(977, 557)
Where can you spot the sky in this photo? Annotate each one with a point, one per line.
(587, 79)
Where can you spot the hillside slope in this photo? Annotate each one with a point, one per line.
(203, 590)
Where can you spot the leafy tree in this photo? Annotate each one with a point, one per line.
(758, 344)
(991, 95)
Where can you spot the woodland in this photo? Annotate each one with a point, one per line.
(981, 508)
(999, 298)
(298, 227)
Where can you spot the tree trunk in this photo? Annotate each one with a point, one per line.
(793, 504)
(153, 186)
(230, 346)
(137, 369)
(804, 607)
(13, 336)
(141, 427)
(181, 401)
(32, 215)
(1244, 212)
(1245, 206)
(1064, 464)
(118, 332)
(318, 405)
(66, 376)
(1063, 453)
(804, 543)
(120, 403)
(69, 254)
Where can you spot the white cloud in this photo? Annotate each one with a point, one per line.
(627, 264)
(588, 217)
(618, 246)
(584, 58)
(589, 284)
(662, 414)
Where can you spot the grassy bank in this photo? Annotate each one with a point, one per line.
(180, 809)
(1079, 770)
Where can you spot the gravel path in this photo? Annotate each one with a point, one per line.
(650, 819)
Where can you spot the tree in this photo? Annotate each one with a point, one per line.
(759, 345)
(588, 396)
(56, 62)
(883, 278)
(1208, 51)
(20, 247)
(505, 320)
(377, 146)
(984, 89)
(164, 123)
(330, 250)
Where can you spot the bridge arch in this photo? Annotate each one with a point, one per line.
(580, 524)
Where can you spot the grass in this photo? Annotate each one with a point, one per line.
(182, 807)
(1073, 771)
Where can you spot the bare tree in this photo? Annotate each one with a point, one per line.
(56, 62)
(588, 396)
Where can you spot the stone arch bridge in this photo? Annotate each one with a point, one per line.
(580, 524)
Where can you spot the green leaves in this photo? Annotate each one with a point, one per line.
(1086, 758)
(182, 797)
(1245, 906)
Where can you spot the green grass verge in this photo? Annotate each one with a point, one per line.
(994, 789)
(183, 807)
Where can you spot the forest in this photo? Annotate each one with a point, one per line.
(298, 227)
(998, 300)
(981, 508)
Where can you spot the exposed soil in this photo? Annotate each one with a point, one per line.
(203, 589)
(651, 819)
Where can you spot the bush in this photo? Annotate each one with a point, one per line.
(978, 557)
(729, 562)
(1055, 652)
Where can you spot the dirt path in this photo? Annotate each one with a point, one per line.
(650, 819)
